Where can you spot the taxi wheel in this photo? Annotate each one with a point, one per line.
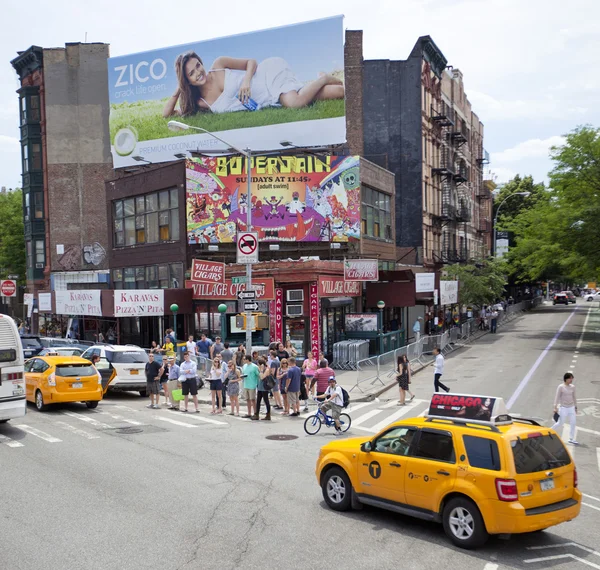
(337, 489)
(463, 523)
(39, 402)
(91, 405)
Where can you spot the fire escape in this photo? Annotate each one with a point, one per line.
(452, 172)
(484, 226)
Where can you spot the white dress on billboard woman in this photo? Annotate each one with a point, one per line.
(273, 78)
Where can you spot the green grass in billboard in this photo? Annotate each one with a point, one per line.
(146, 118)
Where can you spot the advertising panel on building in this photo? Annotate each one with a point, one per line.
(263, 286)
(361, 322)
(140, 303)
(80, 303)
(448, 292)
(294, 198)
(207, 271)
(361, 270)
(424, 282)
(243, 87)
(45, 302)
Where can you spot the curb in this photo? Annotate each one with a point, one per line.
(454, 348)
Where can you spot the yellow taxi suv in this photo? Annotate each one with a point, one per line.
(468, 465)
(59, 379)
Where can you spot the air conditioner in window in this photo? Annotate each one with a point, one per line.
(294, 310)
(295, 295)
(39, 266)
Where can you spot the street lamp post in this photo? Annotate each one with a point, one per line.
(174, 308)
(525, 194)
(381, 306)
(247, 153)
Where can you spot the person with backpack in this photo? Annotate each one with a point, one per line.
(334, 401)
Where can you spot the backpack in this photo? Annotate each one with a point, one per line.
(346, 398)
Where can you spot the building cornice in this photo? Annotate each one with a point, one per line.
(28, 61)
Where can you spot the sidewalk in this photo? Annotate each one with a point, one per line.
(374, 386)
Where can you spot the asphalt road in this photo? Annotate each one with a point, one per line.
(123, 487)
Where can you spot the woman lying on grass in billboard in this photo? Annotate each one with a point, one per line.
(242, 84)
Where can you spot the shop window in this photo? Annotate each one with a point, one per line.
(148, 219)
(376, 214)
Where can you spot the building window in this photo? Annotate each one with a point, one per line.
(27, 208)
(376, 214)
(425, 196)
(38, 205)
(40, 254)
(25, 153)
(36, 156)
(152, 218)
(163, 276)
(29, 255)
(23, 105)
(34, 108)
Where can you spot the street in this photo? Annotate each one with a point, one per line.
(124, 487)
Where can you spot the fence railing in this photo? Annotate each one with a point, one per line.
(381, 369)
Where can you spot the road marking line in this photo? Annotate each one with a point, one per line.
(122, 419)
(588, 430)
(175, 422)
(37, 433)
(598, 457)
(77, 431)
(10, 442)
(356, 407)
(126, 408)
(87, 419)
(362, 428)
(590, 497)
(587, 549)
(583, 331)
(590, 506)
(537, 363)
(362, 419)
(206, 420)
(562, 557)
(490, 566)
(393, 417)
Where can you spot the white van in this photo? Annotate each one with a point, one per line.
(12, 381)
(123, 368)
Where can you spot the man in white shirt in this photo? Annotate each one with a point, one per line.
(191, 346)
(567, 400)
(188, 381)
(334, 401)
(417, 329)
(438, 370)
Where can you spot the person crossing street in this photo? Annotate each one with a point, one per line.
(565, 404)
(438, 370)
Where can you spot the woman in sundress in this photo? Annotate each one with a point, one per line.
(232, 379)
(403, 378)
(234, 84)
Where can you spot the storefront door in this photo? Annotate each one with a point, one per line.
(298, 331)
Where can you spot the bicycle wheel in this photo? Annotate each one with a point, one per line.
(312, 424)
(345, 422)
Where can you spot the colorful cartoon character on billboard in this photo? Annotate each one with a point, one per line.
(273, 204)
(295, 206)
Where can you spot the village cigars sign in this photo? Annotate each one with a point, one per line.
(139, 303)
(264, 287)
(361, 270)
(81, 303)
(337, 287)
(207, 271)
(315, 344)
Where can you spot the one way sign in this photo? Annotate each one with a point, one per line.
(250, 306)
(247, 247)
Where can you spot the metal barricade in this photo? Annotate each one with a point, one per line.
(347, 353)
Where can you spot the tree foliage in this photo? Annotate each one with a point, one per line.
(479, 284)
(557, 230)
(12, 235)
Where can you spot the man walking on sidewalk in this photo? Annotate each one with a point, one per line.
(438, 370)
(417, 329)
(566, 399)
(494, 320)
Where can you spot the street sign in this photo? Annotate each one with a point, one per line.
(238, 280)
(8, 288)
(247, 247)
(250, 306)
(13, 276)
(247, 295)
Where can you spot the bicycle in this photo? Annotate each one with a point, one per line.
(313, 423)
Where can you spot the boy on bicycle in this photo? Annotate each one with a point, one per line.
(334, 401)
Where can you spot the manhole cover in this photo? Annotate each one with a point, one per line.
(129, 430)
(282, 437)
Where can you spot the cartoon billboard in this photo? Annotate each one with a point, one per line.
(294, 198)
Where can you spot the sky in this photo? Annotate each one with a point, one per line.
(530, 66)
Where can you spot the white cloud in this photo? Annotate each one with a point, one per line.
(533, 148)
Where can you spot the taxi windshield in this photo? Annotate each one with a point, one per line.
(70, 370)
(539, 453)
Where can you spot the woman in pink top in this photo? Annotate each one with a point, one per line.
(309, 367)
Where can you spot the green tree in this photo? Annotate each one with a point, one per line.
(12, 235)
(514, 206)
(480, 283)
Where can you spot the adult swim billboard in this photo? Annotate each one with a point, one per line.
(253, 90)
(294, 198)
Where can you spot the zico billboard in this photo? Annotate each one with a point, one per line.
(294, 198)
(244, 88)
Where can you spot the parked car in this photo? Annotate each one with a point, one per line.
(592, 297)
(61, 351)
(32, 345)
(571, 296)
(560, 299)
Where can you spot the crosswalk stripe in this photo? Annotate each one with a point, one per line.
(87, 419)
(598, 457)
(394, 417)
(10, 442)
(175, 422)
(391, 404)
(206, 420)
(122, 419)
(38, 433)
(365, 417)
(356, 407)
(126, 408)
(77, 431)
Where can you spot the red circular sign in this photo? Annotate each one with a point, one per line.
(8, 288)
(247, 244)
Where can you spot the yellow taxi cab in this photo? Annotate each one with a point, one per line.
(59, 379)
(466, 464)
